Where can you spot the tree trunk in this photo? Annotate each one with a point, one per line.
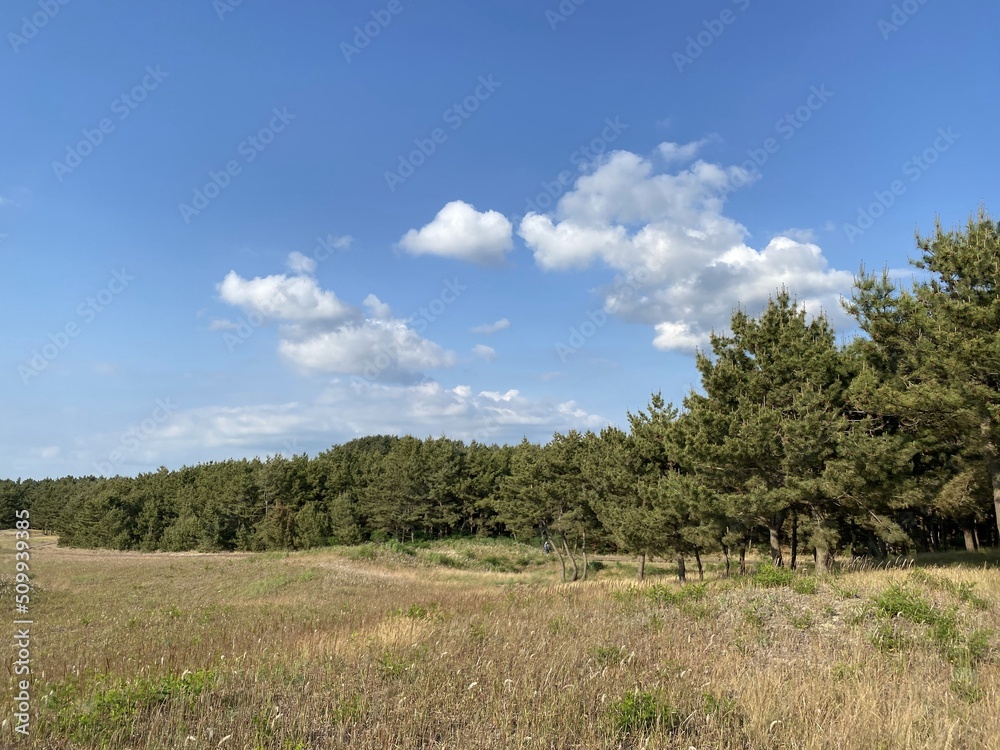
(725, 551)
(824, 560)
(970, 539)
(824, 540)
(697, 559)
(562, 560)
(681, 569)
(642, 566)
(774, 525)
(572, 559)
(743, 560)
(584, 557)
(795, 540)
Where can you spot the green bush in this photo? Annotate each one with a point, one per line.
(642, 712)
(666, 594)
(898, 601)
(114, 707)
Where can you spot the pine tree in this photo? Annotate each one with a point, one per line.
(933, 354)
(762, 434)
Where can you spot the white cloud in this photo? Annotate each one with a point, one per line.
(488, 328)
(342, 412)
(378, 309)
(386, 350)
(681, 264)
(677, 152)
(342, 242)
(300, 264)
(281, 297)
(460, 232)
(485, 352)
(322, 334)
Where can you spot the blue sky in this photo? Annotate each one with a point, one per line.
(235, 229)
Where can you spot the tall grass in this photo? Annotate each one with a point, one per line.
(391, 650)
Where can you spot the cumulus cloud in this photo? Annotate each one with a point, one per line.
(488, 328)
(460, 232)
(485, 352)
(320, 333)
(281, 297)
(681, 265)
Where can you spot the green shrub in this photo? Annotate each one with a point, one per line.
(666, 594)
(897, 601)
(769, 576)
(114, 708)
(641, 712)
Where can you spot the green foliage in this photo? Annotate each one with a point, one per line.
(943, 626)
(770, 576)
(114, 707)
(910, 604)
(389, 665)
(964, 591)
(666, 594)
(643, 712)
(419, 612)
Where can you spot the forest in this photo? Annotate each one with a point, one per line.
(885, 444)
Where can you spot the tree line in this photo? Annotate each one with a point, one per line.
(886, 444)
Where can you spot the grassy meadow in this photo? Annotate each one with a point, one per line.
(475, 644)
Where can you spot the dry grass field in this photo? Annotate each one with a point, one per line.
(474, 645)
